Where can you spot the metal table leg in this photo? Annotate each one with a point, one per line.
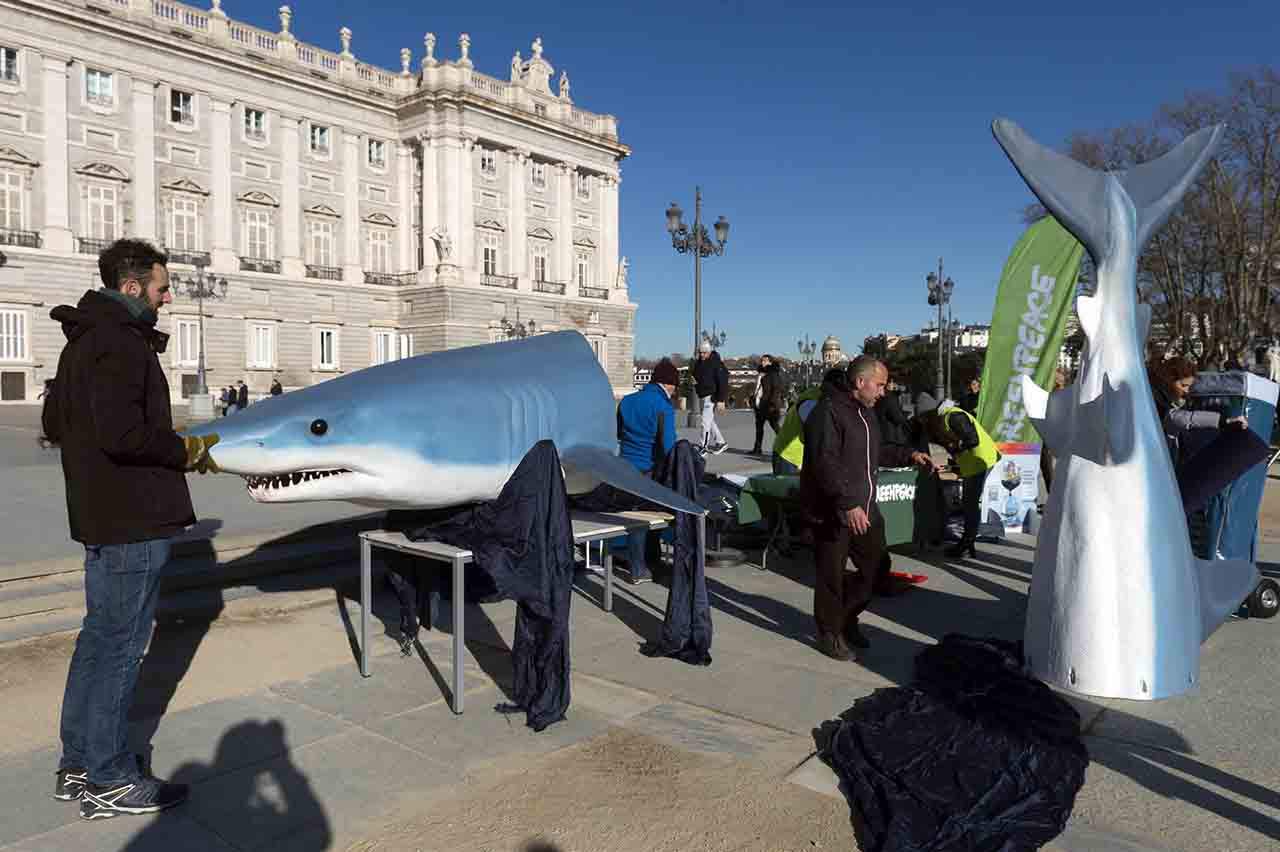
(608, 575)
(366, 571)
(459, 600)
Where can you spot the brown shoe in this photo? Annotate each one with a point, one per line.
(834, 647)
(853, 636)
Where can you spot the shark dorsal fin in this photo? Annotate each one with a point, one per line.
(1050, 413)
(1076, 195)
(1157, 186)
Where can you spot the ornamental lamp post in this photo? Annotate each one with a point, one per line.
(698, 242)
(200, 287)
(806, 348)
(519, 329)
(939, 294)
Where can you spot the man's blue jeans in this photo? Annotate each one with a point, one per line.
(121, 582)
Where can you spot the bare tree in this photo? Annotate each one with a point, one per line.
(1212, 273)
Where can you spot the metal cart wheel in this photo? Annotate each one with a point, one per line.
(1265, 600)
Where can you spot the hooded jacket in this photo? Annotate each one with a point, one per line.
(109, 412)
(843, 453)
(711, 378)
(771, 394)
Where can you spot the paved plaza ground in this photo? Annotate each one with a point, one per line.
(258, 703)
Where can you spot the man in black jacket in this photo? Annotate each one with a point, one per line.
(769, 401)
(842, 455)
(711, 384)
(242, 395)
(126, 496)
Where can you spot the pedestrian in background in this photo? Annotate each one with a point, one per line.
(768, 401)
(711, 384)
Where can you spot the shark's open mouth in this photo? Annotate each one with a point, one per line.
(286, 480)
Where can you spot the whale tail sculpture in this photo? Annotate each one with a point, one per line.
(1119, 604)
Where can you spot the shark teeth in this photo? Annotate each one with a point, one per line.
(286, 480)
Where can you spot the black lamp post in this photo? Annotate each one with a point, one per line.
(201, 287)
(699, 243)
(939, 294)
(807, 347)
(519, 329)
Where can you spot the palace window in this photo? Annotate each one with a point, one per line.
(377, 150)
(406, 345)
(255, 124)
(379, 250)
(184, 227)
(102, 212)
(262, 346)
(11, 200)
(99, 87)
(489, 163)
(584, 186)
(599, 347)
(182, 107)
(9, 64)
(187, 352)
(490, 251)
(258, 234)
(582, 267)
(384, 342)
(13, 336)
(538, 174)
(320, 243)
(540, 255)
(326, 348)
(320, 140)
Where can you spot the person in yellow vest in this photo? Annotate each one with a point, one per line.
(973, 453)
(788, 443)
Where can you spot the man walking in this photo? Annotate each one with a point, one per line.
(242, 396)
(126, 496)
(711, 384)
(768, 401)
(842, 455)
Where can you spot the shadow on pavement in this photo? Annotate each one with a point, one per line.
(267, 800)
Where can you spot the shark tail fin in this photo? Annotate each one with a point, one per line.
(1048, 412)
(600, 465)
(1224, 585)
(1076, 195)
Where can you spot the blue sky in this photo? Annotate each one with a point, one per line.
(849, 147)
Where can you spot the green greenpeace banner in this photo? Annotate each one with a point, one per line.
(1027, 326)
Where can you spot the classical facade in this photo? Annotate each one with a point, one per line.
(357, 214)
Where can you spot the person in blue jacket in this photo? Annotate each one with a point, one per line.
(646, 434)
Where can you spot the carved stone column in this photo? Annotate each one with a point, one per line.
(352, 267)
(224, 246)
(404, 187)
(564, 231)
(609, 238)
(430, 212)
(517, 231)
(466, 239)
(144, 159)
(291, 264)
(56, 233)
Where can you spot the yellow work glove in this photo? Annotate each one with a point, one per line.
(198, 458)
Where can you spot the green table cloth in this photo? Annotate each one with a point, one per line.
(765, 495)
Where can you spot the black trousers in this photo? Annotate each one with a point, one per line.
(840, 595)
(971, 503)
(762, 417)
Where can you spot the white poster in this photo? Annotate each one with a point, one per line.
(1012, 488)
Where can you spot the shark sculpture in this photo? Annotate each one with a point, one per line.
(435, 430)
(1119, 605)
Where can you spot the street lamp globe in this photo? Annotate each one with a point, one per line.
(722, 230)
(674, 215)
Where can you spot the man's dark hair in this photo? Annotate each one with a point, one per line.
(128, 259)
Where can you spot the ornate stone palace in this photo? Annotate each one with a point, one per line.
(357, 214)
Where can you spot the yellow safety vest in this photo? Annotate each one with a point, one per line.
(979, 459)
(790, 440)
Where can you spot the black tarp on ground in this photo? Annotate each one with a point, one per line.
(972, 757)
(686, 627)
(523, 548)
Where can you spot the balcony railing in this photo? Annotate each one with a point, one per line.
(548, 287)
(324, 273)
(592, 292)
(390, 279)
(14, 237)
(507, 282)
(190, 258)
(259, 264)
(89, 245)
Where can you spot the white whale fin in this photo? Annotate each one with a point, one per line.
(1142, 316)
(1050, 413)
(1224, 584)
(1106, 432)
(1089, 312)
(598, 464)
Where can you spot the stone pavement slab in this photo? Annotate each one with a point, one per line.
(165, 832)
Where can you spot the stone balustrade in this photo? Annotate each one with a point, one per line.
(213, 27)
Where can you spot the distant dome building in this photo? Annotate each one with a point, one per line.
(832, 354)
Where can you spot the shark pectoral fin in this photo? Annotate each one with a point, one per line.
(600, 464)
(1157, 186)
(1046, 412)
(1143, 319)
(1224, 585)
(1089, 312)
(1074, 193)
(1105, 431)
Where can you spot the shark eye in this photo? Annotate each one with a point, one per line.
(319, 427)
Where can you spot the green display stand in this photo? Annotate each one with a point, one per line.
(765, 496)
